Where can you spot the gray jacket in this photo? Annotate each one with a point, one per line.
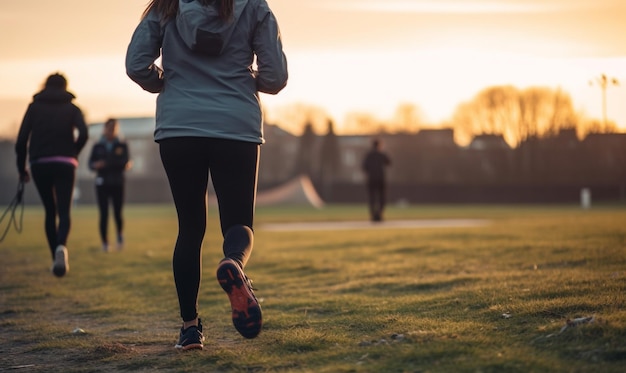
(208, 87)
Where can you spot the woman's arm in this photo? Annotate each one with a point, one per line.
(272, 63)
(143, 50)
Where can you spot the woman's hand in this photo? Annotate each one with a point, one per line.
(25, 177)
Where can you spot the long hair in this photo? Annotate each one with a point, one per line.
(168, 8)
(226, 9)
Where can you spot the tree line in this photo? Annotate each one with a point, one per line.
(513, 113)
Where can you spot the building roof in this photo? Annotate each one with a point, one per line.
(130, 128)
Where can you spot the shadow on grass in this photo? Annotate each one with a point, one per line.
(403, 288)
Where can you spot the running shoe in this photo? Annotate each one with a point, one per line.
(120, 242)
(246, 311)
(191, 338)
(60, 265)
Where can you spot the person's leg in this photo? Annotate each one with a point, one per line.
(382, 199)
(371, 199)
(117, 195)
(238, 243)
(234, 174)
(102, 198)
(64, 189)
(234, 166)
(376, 201)
(44, 182)
(187, 171)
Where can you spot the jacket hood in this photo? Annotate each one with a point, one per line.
(201, 28)
(54, 95)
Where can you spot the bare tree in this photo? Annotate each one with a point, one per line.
(304, 158)
(534, 112)
(597, 126)
(363, 123)
(564, 116)
(544, 112)
(329, 160)
(296, 117)
(530, 108)
(493, 111)
(466, 123)
(500, 111)
(407, 118)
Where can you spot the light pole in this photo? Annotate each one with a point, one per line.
(604, 81)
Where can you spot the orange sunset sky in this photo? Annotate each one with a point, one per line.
(344, 55)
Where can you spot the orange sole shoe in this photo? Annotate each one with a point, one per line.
(246, 311)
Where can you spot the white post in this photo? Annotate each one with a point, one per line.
(585, 198)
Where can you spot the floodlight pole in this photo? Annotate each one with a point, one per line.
(604, 81)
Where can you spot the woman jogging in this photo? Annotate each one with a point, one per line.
(208, 120)
(110, 159)
(47, 137)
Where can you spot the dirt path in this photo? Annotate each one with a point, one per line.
(392, 224)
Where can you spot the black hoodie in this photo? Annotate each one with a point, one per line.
(48, 126)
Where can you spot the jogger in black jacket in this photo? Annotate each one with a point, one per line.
(110, 158)
(47, 138)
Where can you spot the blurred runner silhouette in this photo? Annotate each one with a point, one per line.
(110, 158)
(374, 166)
(47, 135)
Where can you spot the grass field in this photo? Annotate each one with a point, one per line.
(536, 289)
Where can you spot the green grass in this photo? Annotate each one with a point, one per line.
(480, 299)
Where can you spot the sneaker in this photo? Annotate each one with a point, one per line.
(60, 265)
(120, 242)
(105, 247)
(246, 311)
(191, 338)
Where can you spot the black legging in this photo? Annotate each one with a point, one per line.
(233, 167)
(55, 184)
(115, 194)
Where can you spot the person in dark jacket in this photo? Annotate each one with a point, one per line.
(110, 159)
(374, 166)
(217, 55)
(47, 137)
